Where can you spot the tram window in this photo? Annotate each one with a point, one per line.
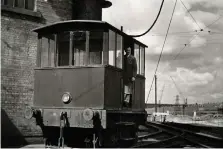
(47, 51)
(63, 48)
(111, 48)
(105, 48)
(137, 56)
(79, 48)
(119, 55)
(44, 52)
(95, 47)
(142, 60)
(51, 44)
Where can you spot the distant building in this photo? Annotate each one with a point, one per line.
(220, 109)
(201, 109)
(177, 108)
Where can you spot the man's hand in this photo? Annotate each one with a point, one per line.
(133, 79)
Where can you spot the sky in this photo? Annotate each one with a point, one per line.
(198, 69)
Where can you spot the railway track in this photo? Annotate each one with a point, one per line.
(157, 135)
(168, 136)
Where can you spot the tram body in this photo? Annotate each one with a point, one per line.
(80, 73)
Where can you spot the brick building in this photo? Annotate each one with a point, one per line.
(18, 58)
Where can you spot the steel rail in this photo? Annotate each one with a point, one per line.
(172, 137)
(194, 138)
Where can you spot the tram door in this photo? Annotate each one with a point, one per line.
(138, 86)
(128, 43)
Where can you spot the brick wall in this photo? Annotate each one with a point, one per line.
(18, 58)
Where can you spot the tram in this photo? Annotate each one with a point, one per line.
(78, 87)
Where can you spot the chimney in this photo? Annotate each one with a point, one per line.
(89, 9)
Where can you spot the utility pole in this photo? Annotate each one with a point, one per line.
(155, 93)
(161, 97)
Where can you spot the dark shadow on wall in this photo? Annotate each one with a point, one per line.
(11, 137)
(62, 8)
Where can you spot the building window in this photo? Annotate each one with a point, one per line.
(25, 4)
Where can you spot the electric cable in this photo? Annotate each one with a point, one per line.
(152, 24)
(194, 38)
(191, 15)
(163, 46)
(214, 21)
(186, 46)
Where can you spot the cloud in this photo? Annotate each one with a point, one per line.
(207, 3)
(191, 78)
(218, 60)
(217, 95)
(198, 42)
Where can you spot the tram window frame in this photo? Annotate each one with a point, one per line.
(142, 60)
(74, 59)
(52, 55)
(119, 62)
(85, 59)
(63, 57)
(111, 47)
(96, 47)
(113, 44)
(90, 50)
(46, 52)
(137, 57)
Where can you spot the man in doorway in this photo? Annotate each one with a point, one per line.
(130, 70)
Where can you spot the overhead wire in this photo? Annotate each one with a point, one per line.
(194, 38)
(177, 87)
(171, 33)
(162, 47)
(190, 14)
(214, 21)
(175, 57)
(152, 24)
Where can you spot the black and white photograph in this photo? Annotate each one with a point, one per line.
(111, 74)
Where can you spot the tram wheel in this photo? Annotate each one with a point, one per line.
(114, 140)
(90, 144)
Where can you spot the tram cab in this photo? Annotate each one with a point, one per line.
(80, 70)
(79, 79)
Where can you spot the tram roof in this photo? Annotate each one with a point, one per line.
(89, 24)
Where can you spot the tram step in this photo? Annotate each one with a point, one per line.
(125, 123)
(127, 139)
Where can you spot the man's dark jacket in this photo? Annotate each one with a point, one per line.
(130, 68)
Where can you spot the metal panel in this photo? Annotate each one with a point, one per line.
(113, 88)
(139, 97)
(51, 117)
(38, 60)
(86, 86)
